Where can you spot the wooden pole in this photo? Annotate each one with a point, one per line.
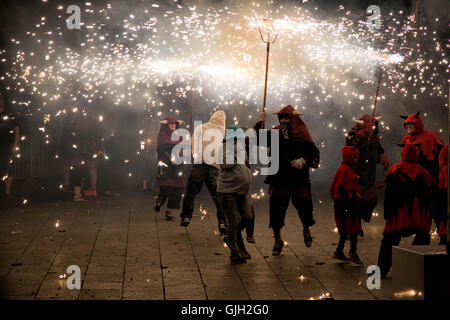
(191, 110)
(376, 96)
(265, 81)
(369, 137)
(267, 74)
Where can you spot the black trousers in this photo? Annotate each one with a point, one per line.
(279, 198)
(238, 212)
(250, 229)
(393, 239)
(170, 194)
(202, 173)
(77, 175)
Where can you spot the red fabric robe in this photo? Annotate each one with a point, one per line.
(443, 185)
(407, 200)
(344, 191)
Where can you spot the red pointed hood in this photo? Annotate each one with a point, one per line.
(348, 155)
(346, 177)
(427, 140)
(369, 129)
(165, 134)
(297, 128)
(409, 166)
(415, 119)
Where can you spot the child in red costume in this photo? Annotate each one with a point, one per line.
(407, 205)
(344, 191)
(170, 176)
(365, 136)
(443, 186)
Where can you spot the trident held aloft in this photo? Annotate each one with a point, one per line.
(271, 37)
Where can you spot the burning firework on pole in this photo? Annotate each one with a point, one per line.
(268, 40)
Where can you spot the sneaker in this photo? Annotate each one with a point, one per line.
(222, 229)
(353, 256)
(185, 222)
(169, 216)
(307, 237)
(251, 238)
(277, 247)
(156, 204)
(237, 259)
(339, 255)
(244, 254)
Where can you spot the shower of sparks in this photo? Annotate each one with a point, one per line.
(161, 50)
(258, 196)
(203, 211)
(153, 58)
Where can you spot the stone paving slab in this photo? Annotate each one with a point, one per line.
(126, 250)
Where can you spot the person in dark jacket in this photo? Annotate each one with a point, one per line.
(233, 186)
(170, 176)
(407, 205)
(344, 191)
(297, 153)
(364, 136)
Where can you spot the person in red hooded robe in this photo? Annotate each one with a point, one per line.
(297, 153)
(407, 205)
(170, 176)
(364, 136)
(344, 191)
(429, 147)
(443, 187)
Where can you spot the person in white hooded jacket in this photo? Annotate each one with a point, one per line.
(206, 142)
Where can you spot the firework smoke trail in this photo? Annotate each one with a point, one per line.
(149, 57)
(219, 48)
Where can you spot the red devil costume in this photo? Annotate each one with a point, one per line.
(407, 205)
(344, 191)
(297, 153)
(443, 187)
(364, 136)
(429, 146)
(170, 176)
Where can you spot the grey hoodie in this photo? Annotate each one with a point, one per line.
(233, 177)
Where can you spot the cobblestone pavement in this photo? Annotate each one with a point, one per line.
(127, 251)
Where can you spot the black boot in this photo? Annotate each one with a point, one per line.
(277, 247)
